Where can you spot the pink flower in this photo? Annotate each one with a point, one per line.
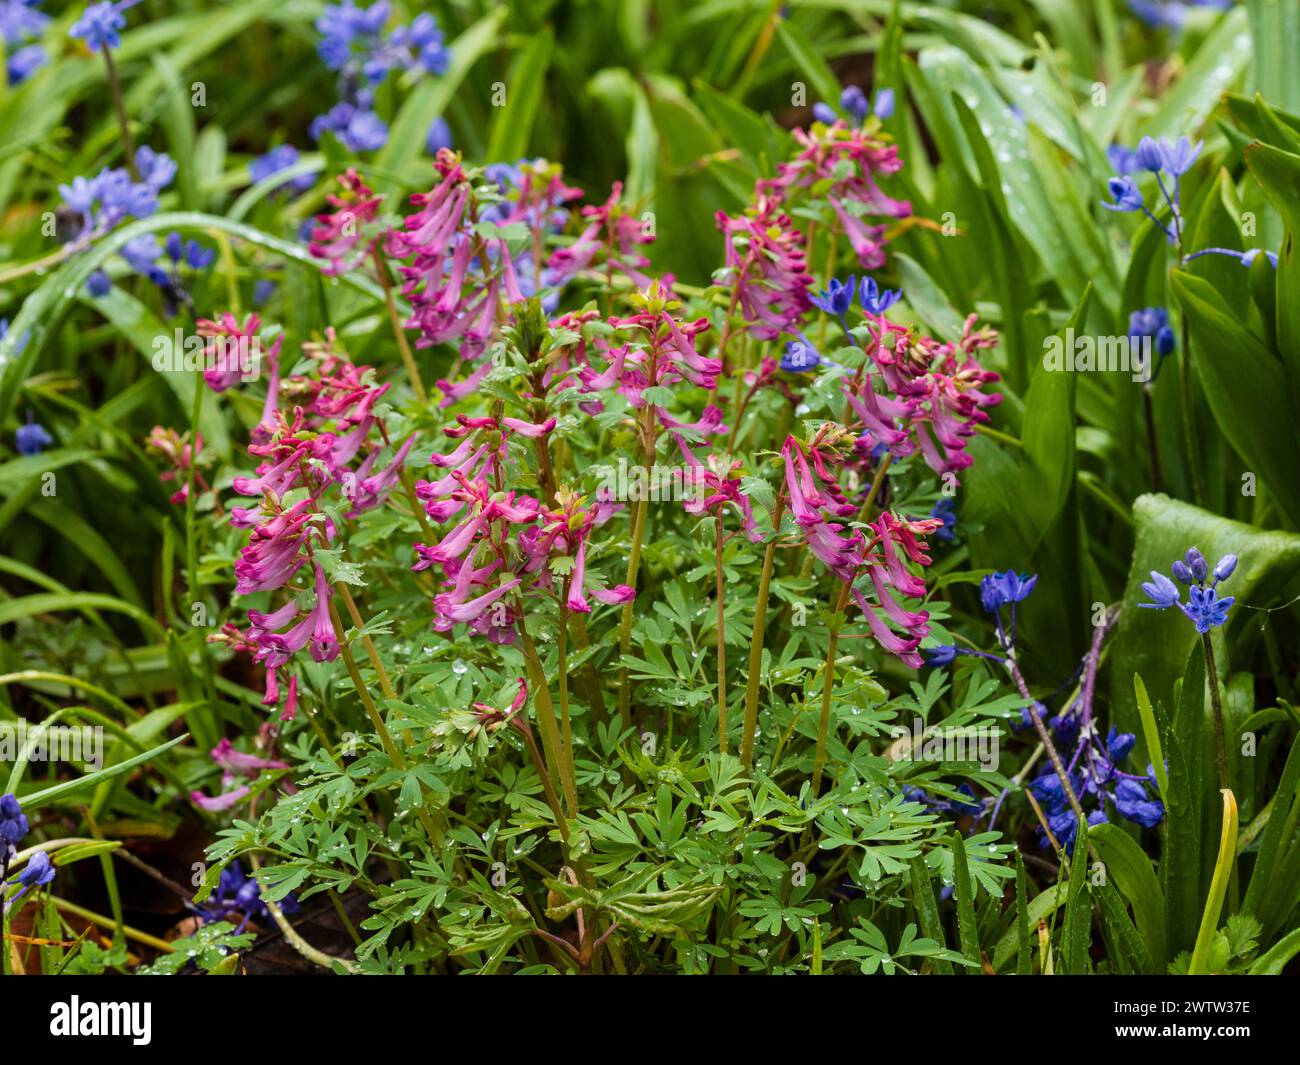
(341, 235)
(564, 533)
(611, 229)
(894, 540)
(813, 500)
(843, 164)
(274, 552)
(765, 260)
(229, 349)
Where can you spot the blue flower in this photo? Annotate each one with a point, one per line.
(1162, 592)
(358, 130)
(945, 511)
(279, 158)
(1001, 589)
(854, 101)
(424, 37)
(838, 298)
(38, 871)
(1119, 744)
(1133, 803)
(1248, 257)
(884, 106)
(800, 356)
(13, 823)
(32, 439)
(1152, 322)
(156, 169)
(98, 284)
(101, 24)
(1123, 159)
(1206, 608)
(263, 290)
(1125, 193)
(876, 300)
(238, 895)
(823, 112)
(1177, 159)
(25, 62)
(19, 20)
(940, 656)
(190, 252)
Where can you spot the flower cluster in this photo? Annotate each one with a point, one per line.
(766, 265)
(662, 355)
(1172, 159)
(502, 539)
(612, 233)
(843, 165)
(355, 44)
(932, 394)
(1094, 774)
(100, 25)
(235, 765)
(349, 233)
(37, 872)
(327, 441)
(238, 896)
(20, 22)
(94, 206)
(176, 449)
(816, 501)
(1205, 607)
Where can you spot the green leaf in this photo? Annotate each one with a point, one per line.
(1246, 387)
(808, 59)
(1076, 929)
(964, 893)
(1223, 868)
(927, 913)
(1128, 867)
(513, 126)
(62, 791)
(1150, 733)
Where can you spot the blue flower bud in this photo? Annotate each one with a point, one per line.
(1197, 564)
(823, 112)
(1223, 570)
(1148, 155)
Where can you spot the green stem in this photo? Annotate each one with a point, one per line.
(625, 626)
(1220, 743)
(570, 757)
(115, 90)
(551, 741)
(828, 682)
(434, 830)
(395, 321)
(750, 728)
(722, 638)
